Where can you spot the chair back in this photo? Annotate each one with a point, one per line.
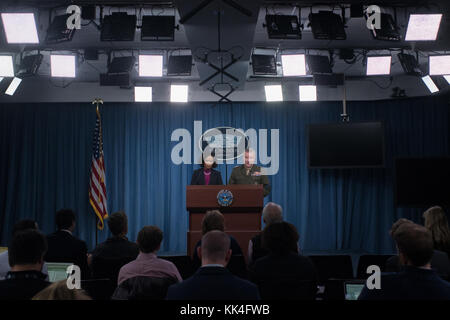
(287, 288)
(333, 266)
(143, 288)
(368, 260)
(108, 268)
(98, 289)
(183, 264)
(237, 266)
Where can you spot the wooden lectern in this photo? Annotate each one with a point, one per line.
(242, 217)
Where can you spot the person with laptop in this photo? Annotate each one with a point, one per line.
(26, 258)
(64, 247)
(417, 281)
(4, 263)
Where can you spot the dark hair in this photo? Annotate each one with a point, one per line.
(24, 225)
(280, 238)
(213, 220)
(214, 164)
(149, 238)
(27, 247)
(415, 242)
(117, 222)
(65, 218)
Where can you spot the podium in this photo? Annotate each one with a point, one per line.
(242, 217)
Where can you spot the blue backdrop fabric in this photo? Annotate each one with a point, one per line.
(46, 154)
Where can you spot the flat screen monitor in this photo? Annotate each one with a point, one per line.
(352, 290)
(57, 271)
(346, 145)
(422, 182)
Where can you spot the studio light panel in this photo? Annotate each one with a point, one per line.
(6, 66)
(430, 84)
(439, 65)
(178, 93)
(293, 65)
(273, 93)
(380, 65)
(150, 65)
(62, 66)
(13, 86)
(423, 27)
(20, 28)
(307, 93)
(143, 94)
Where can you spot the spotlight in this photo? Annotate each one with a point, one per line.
(62, 66)
(13, 86)
(150, 65)
(264, 64)
(178, 93)
(430, 84)
(273, 93)
(179, 65)
(307, 93)
(58, 32)
(293, 64)
(118, 27)
(422, 27)
(30, 65)
(327, 25)
(378, 65)
(409, 64)
(143, 94)
(318, 64)
(118, 72)
(20, 28)
(6, 66)
(158, 28)
(388, 29)
(283, 27)
(439, 65)
(447, 78)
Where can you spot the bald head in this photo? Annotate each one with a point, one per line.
(215, 248)
(272, 212)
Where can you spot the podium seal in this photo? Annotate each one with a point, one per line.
(224, 198)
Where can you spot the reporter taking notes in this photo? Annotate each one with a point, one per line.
(249, 173)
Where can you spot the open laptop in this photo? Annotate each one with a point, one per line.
(57, 271)
(353, 288)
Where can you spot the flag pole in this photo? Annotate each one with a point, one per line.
(97, 101)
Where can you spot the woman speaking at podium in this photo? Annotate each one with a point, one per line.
(206, 175)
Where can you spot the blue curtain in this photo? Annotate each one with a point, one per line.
(46, 155)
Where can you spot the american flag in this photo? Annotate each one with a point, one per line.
(97, 189)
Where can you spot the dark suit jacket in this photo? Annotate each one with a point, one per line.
(22, 285)
(213, 283)
(63, 247)
(289, 269)
(198, 178)
(439, 262)
(410, 284)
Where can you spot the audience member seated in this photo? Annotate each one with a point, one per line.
(26, 258)
(213, 281)
(417, 281)
(60, 291)
(436, 221)
(63, 246)
(439, 261)
(271, 213)
(147, 264)
(109, 256)
(283, 273)
(214, 220)
(4, 264)
(143, 288)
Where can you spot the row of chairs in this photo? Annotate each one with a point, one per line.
(329, 268)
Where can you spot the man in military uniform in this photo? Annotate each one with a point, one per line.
(249, 173)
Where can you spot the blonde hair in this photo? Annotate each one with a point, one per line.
(436, 221)
(60, 291)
